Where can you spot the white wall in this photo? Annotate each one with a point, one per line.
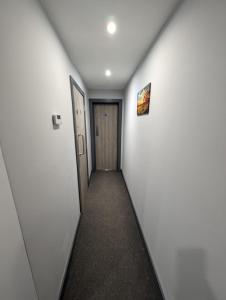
(41, 163)
(174, 159)
(106, 94)
(15, 274)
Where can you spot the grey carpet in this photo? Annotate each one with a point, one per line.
(109, 260)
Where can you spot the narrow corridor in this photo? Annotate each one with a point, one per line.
(109, 260)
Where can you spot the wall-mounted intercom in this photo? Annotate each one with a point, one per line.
(57, 120)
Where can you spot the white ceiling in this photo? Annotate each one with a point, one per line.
(81, 25)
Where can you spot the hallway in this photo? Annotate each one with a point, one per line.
(109, 260)
(116, 109)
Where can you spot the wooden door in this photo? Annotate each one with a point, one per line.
(81, 146)
(106, 128)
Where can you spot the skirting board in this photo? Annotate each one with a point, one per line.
(65, 276)
(143, 238)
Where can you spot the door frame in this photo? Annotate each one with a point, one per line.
(92, 102)
(73, 83)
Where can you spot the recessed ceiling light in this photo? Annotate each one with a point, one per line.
(108, 73)
(111, 27)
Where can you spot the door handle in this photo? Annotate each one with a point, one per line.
(83, 145)
(97, 131)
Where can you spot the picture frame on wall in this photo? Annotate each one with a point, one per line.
(143, 100)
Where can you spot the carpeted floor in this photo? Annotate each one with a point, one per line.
(109, 261)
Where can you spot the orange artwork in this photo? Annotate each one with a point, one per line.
(143, 100)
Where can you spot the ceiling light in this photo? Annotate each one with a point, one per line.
(111, 27)
(108, 73)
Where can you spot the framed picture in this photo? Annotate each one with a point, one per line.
(143, 100)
